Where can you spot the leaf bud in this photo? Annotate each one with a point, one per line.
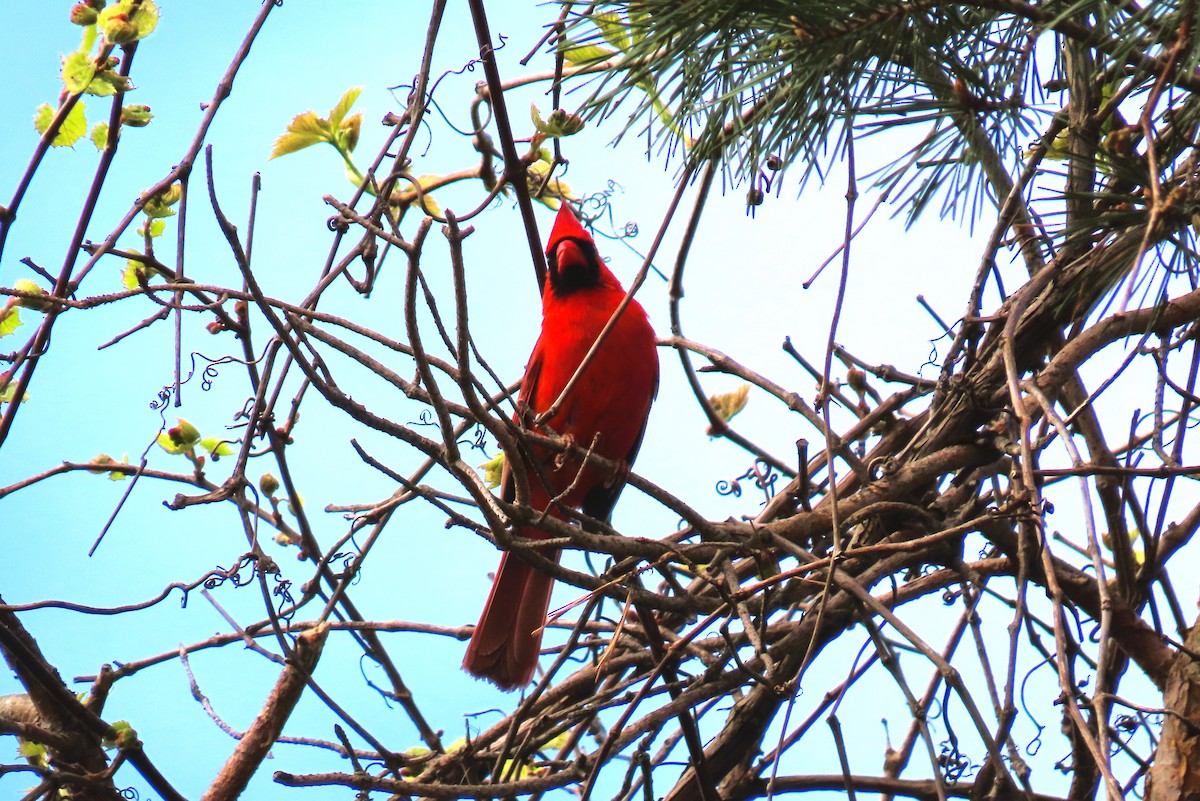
(98, 5)
(268, 484)
(120, 30)
(36, 304)
(83, 14)
(754, 197)
(136, 115)
(185, 434)
(857, 380)
(774, 163)
(565, 122)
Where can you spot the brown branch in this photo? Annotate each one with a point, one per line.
(243, 763)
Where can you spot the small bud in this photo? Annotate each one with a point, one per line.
(774, 163)
(119, 30)
(215, 327)
(136, 115)
(83, 14)
(268, 484)
(564, 122)
(98, 5)
(36, 304)
(857, 380)
(184, 435)
(754, 197)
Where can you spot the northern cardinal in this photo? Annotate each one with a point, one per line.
(608, 405)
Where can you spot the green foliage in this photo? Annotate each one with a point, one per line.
(179, 439)
(73, 127)
(136, 273)
(91, 69)
(129, 22)
(493, 470)
(34, 753)
(105, 461)
(124, 736)
(10, 319)
(744, 81)
(561, 122)
(216, 447)
(99, 135)
(337, 129)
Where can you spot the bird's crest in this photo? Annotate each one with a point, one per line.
(566, 226)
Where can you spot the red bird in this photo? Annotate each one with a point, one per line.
(608, 404)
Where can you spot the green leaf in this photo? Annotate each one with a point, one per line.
(303, 131)
(136, 115)
(156, 228)
(73, 127)
(78, 70)
(547, 192)
(100, 135)
(35, 753)
(579, 54)
(159, 205)
(107, 83)
(124, 736)
(10, 320)
(217, 447)
(493, 470)
(338, 112)
(613, 29)
(8, 391)
(136, 273)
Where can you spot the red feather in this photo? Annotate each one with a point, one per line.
(609, 404)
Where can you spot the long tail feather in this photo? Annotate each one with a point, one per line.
(507, 641)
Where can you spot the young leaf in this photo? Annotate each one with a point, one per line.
(580, 54)
(728, 405)
(104, 460)
(217, 447)
(73, 127)
(100, 135)
(7, 391)
(136, 273)
(613, 29)
(78, 70)
(547, 192)
(124, 736)
(136, 115)
(304, 130)
(338, 112)
(493, 469)
(10, 320)
(107, 83)
(159, 205)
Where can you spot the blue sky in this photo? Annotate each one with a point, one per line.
(744, 295)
